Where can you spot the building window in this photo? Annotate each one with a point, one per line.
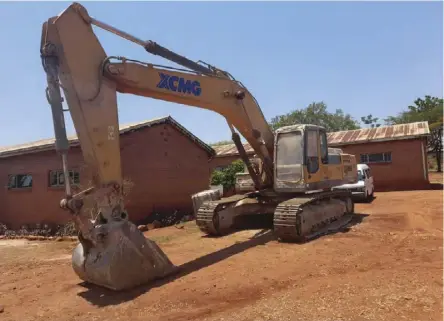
(56, 178)
(376, 158)
(20, 181)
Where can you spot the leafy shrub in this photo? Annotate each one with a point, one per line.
(227, 176)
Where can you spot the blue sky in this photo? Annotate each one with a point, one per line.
(362, 57)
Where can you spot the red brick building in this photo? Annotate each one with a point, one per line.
(397, 154)
(165, 163)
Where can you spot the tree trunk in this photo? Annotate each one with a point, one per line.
(438, 160)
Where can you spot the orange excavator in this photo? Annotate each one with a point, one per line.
(294, 181)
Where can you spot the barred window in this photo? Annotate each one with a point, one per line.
(17, 181)
(376, 158)
(56, 178)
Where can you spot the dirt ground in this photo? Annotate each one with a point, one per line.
(387, 267)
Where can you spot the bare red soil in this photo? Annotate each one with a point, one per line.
(387, 266)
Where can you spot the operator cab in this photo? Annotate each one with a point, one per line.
(304, 162)
(300, 151)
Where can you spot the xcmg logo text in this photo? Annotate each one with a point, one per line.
(179, 84)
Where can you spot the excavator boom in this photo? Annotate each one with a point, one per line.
(90, 83)
(76, 63)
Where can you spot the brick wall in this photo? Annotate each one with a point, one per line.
(406, 170)
(165, 166)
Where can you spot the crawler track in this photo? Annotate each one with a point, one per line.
(207, 218)
(295, 220)
(291, 223)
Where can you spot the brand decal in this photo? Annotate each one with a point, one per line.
(179, 84)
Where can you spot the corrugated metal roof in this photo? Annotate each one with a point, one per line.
(230, 149)
(49, 144)
(379, 134)
(347, 137)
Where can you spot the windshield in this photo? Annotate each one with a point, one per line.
(289, 149)
(360, 175)
(289, 156)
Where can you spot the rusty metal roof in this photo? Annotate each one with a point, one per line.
(230, 149)
(347, 137)
(379, 134)
(49, 144)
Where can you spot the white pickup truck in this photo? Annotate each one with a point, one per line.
(364, 188)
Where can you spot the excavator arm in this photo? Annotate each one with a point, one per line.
(90, 80)
(76, 63)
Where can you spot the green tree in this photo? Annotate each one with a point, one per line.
(370, 121)
(317, 114)
(227, 176)
(429, 109)
(435, 143)
(222, 142)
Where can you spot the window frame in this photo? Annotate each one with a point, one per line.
(365, 158)
(60, 172)
(334, 159)
(324, 153)
(311, 162)
(16, 182)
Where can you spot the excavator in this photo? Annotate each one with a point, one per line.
(294, 181)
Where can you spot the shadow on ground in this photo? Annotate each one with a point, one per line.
(436, 186)
(367, 201)
(102, 297)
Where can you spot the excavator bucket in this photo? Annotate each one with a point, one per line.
(112, 252)
(122, 259)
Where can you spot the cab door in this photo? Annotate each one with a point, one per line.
(325, 169)
(312, 159)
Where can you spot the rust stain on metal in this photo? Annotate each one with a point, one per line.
(364, 135)
(231, 150)
(386, 133)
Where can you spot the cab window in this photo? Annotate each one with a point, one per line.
(324, 147)
(312, 154)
